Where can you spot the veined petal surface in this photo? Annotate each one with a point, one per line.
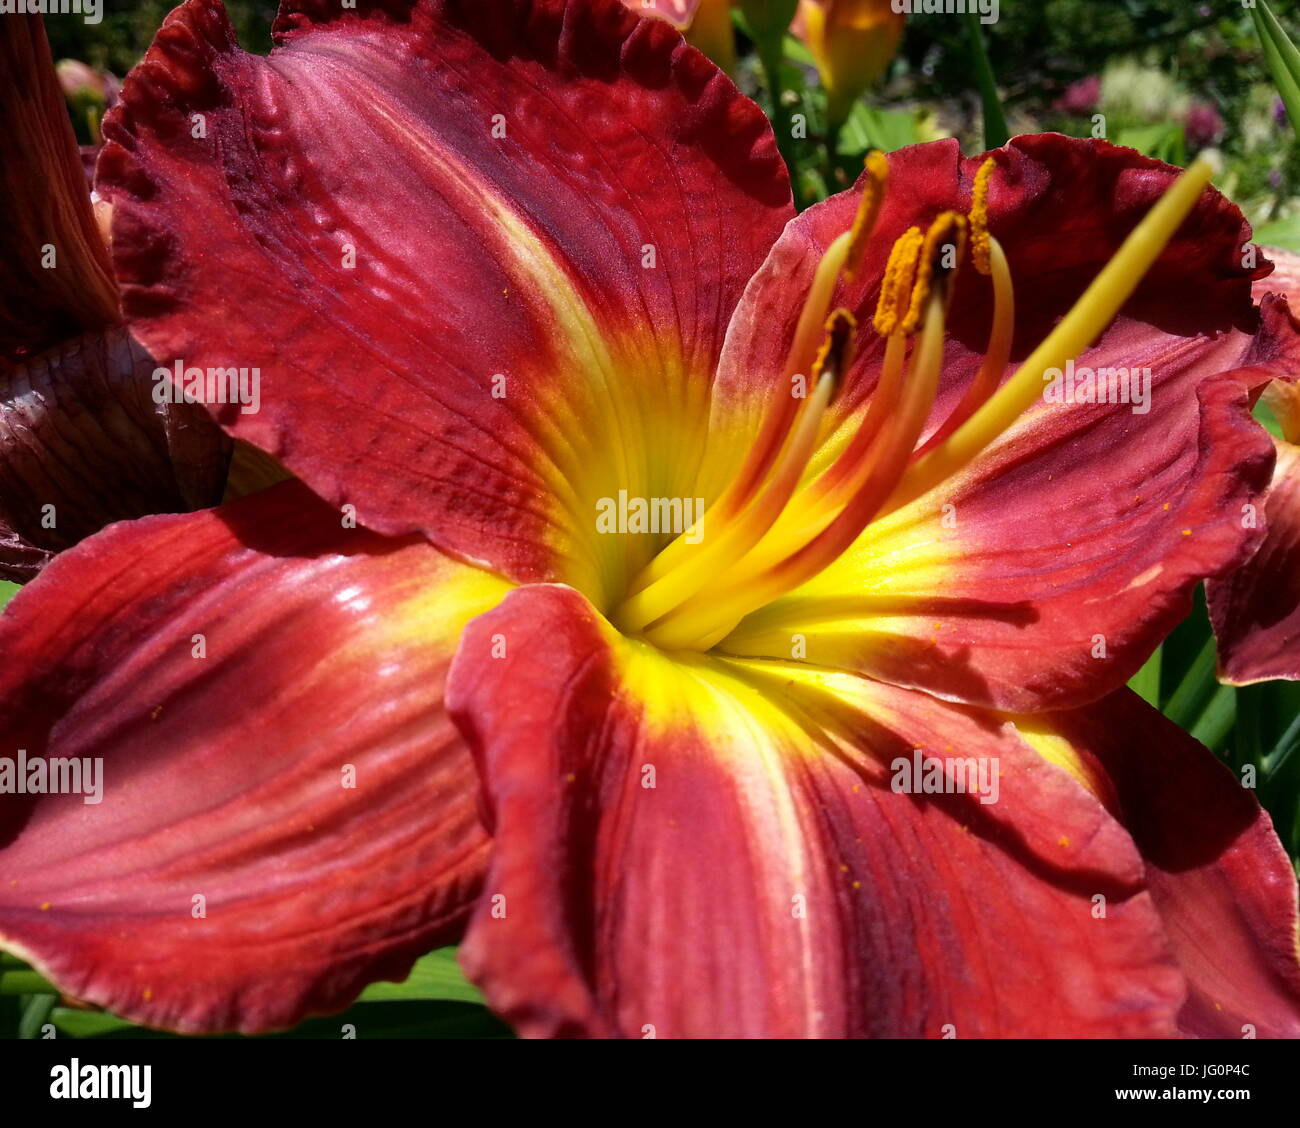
(55, 277)
(687, 846)
(484, 253)
(1042, 575)
(284, 812)
(1220, 878)
(1256, 609)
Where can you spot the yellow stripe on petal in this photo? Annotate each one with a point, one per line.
(440, 611)
(1038, 733)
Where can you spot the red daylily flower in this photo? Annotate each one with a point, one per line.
(1256, 609)
(502, 263)
(82, 442)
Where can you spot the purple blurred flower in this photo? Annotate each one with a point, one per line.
(1203, 125)
(81, 82)
(1080, 97)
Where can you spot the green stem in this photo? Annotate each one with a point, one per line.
(833, 154)
(782, 125)
(36, 1014)
(996, 132)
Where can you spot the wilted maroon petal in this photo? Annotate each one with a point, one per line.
(484, 252)
(83, 444)
(55, 278)
(691, 847)
(286, 813)
(1219, 876)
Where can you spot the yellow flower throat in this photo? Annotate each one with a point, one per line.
(773, 528)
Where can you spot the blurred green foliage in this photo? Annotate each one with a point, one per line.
(118, 41)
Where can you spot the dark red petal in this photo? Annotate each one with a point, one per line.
(1061, 207)
(1043, 575)
(224, 773)
(1256, 609)
(1070, 549)
(1219, 876)
(527, 254)
(83, 444)
(45, 205)
(771, 882)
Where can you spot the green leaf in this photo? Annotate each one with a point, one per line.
(1264, 416)
(435, 976)
(1217, 718)
(1284, 749)
(73, 1023)
(1248, 736)
(1195, 691)
(772, 62)
(798, 52)
(24, 982)
(411, 1018)
(869, 128)
(1146, 682)
(1284, 233)
(1165, 142)
(1282, 58)
(11, 1015)
(435, 1001)
(7, 591)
